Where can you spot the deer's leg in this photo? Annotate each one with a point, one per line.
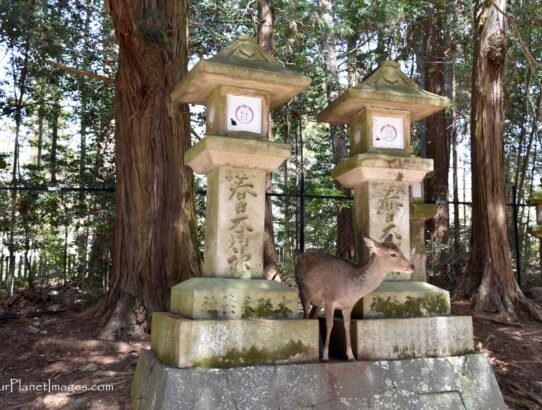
(330, 310)
(315, 311)
(346, 318)
(305, 303)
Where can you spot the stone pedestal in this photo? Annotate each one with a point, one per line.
(455, 383)
(419, 213)
(390, 339)
(231, 316)
(181, 342)
(402, 300)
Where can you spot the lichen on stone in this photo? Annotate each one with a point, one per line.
(264, 309)
(253, 355)
(411, 307)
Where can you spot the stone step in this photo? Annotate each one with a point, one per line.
(374, 339)
(182, 342)
(225, 298)
(461, 382)
(403, 299)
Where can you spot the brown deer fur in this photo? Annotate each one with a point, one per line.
(331, 282)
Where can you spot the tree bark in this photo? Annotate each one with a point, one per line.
(266, 18)
(437, 145)
(490, 280)
(19, 95)
(155, 244)
(345, 230)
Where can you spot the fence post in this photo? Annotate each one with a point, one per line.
(516, 234)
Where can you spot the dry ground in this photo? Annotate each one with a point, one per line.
(65, 351)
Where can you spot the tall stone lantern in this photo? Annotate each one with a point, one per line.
(536, 230)
(409, 319)
(232, 316)
(536, 200)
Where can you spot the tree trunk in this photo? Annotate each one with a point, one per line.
(453, 132)
(490, 280)
(20, 92)
(345, 231)
(53, 168)
(155, 244)
(266, 18)
(437, 145)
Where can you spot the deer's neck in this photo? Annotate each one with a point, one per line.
(373, 271)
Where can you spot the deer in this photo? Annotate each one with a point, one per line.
(338, 283)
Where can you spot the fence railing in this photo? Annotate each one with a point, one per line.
(302, 220)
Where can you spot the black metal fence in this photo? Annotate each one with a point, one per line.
(51, 274)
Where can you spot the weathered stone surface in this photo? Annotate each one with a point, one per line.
(441, 401)
(386, 87)
(182, 342)
(215, 151)
(405, 338)
(443, 383)
(241, 64)
(250, 387)
(395, 400)
(234, 223)
(419, 213)
(403, 299)
(381, 212)
(224, 298)
(418, 253)
(381, 167)
(362, 129)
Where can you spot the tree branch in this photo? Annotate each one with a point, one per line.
(528, 55)
(83, 73)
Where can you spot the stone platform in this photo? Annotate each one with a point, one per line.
(181, 342)
(403, 299)
(385, 339)
(462, 382)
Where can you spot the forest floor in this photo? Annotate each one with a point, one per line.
(63, 350)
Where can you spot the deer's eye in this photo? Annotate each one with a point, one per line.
(393, 255)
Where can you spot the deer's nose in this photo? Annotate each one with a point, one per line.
(412, 267)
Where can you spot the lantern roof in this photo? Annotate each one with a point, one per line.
(242, 64)
(386, 87)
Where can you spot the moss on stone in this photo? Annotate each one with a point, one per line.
(411, 307)
(265, 309)
(253, 355)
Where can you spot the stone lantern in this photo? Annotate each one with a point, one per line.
(211, 322)
(536, 230)
(409, 319)
(536, 200)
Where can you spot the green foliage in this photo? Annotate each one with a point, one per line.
(66, 121)
(65, 126)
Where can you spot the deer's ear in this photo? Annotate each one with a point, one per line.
(389, 238)
(369, 243)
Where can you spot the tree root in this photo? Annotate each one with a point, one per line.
(129, 318)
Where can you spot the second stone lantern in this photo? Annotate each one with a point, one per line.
(409, 319)
(212, 319)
